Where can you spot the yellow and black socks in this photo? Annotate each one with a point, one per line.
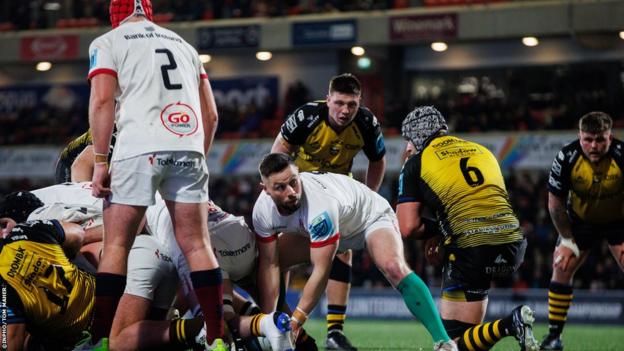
(559, 302)
(255, 324)
(182, 332)
(483, 336)
(336, 315)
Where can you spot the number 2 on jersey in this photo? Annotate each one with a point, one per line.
(472, 175)
(165, 68)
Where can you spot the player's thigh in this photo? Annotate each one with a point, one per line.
(471, 312)
(184, 177)
(385, 246)
(293, 250)
(151, 273)
(469, 271)
(134, 180)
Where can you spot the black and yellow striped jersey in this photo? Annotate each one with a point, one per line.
(45, 291)
(321, 148)
(594, 192)
(461, 182)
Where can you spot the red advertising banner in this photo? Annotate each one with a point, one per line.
(55, 47)
(423, 27)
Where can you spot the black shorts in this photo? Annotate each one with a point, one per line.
(468, 272)
(587, 235)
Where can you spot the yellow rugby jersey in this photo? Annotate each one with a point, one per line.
(594, 192)
(321, 148)
(461, 182)
(47, 292)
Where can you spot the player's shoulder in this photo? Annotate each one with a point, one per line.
(303, 120)
(617, 149)
(366, 119)
(36, 230)
(570, 152)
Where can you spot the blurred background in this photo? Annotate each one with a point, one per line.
(514, 75)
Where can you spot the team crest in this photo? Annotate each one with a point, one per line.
(321, 227)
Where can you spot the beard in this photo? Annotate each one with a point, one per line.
(289, 208)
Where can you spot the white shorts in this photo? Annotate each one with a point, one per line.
(387, 220)
(235, 246)
(180, 176)
(151, 272)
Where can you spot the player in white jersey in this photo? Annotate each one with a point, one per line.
(235, 247)
(319, 213)
(150, 83)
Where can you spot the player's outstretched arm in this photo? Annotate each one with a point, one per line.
(268, 275)
(375, 173)
(321, 259)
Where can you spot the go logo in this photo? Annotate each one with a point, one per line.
(179, 118)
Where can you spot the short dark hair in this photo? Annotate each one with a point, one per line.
(345, 83)
(274, 163)
(19, 205)
(595, 122)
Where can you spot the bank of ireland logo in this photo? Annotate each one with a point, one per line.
(179, 118)
(321, 227)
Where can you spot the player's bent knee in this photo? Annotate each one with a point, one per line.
(455, 328)
(394, 269)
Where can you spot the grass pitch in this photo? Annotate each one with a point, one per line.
(409, 335)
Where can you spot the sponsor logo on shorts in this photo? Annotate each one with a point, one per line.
(171, 162)
(236, 252)
(180, 119)
(162, 256)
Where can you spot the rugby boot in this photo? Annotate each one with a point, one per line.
(445, 346)
(522, 328)
(552, 343)
(336, 340)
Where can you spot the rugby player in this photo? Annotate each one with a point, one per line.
(480, 235)
(326, 136)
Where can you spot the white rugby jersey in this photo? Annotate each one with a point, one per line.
(158, 74)
(70, 202)
(233, 242)
(333, 206)
(68, 193)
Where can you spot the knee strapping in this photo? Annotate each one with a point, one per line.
(340, 271)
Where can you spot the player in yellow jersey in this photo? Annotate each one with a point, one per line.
(46, 295)
(326, 136)
(461, 183)
(75, 162)
(585, 199)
